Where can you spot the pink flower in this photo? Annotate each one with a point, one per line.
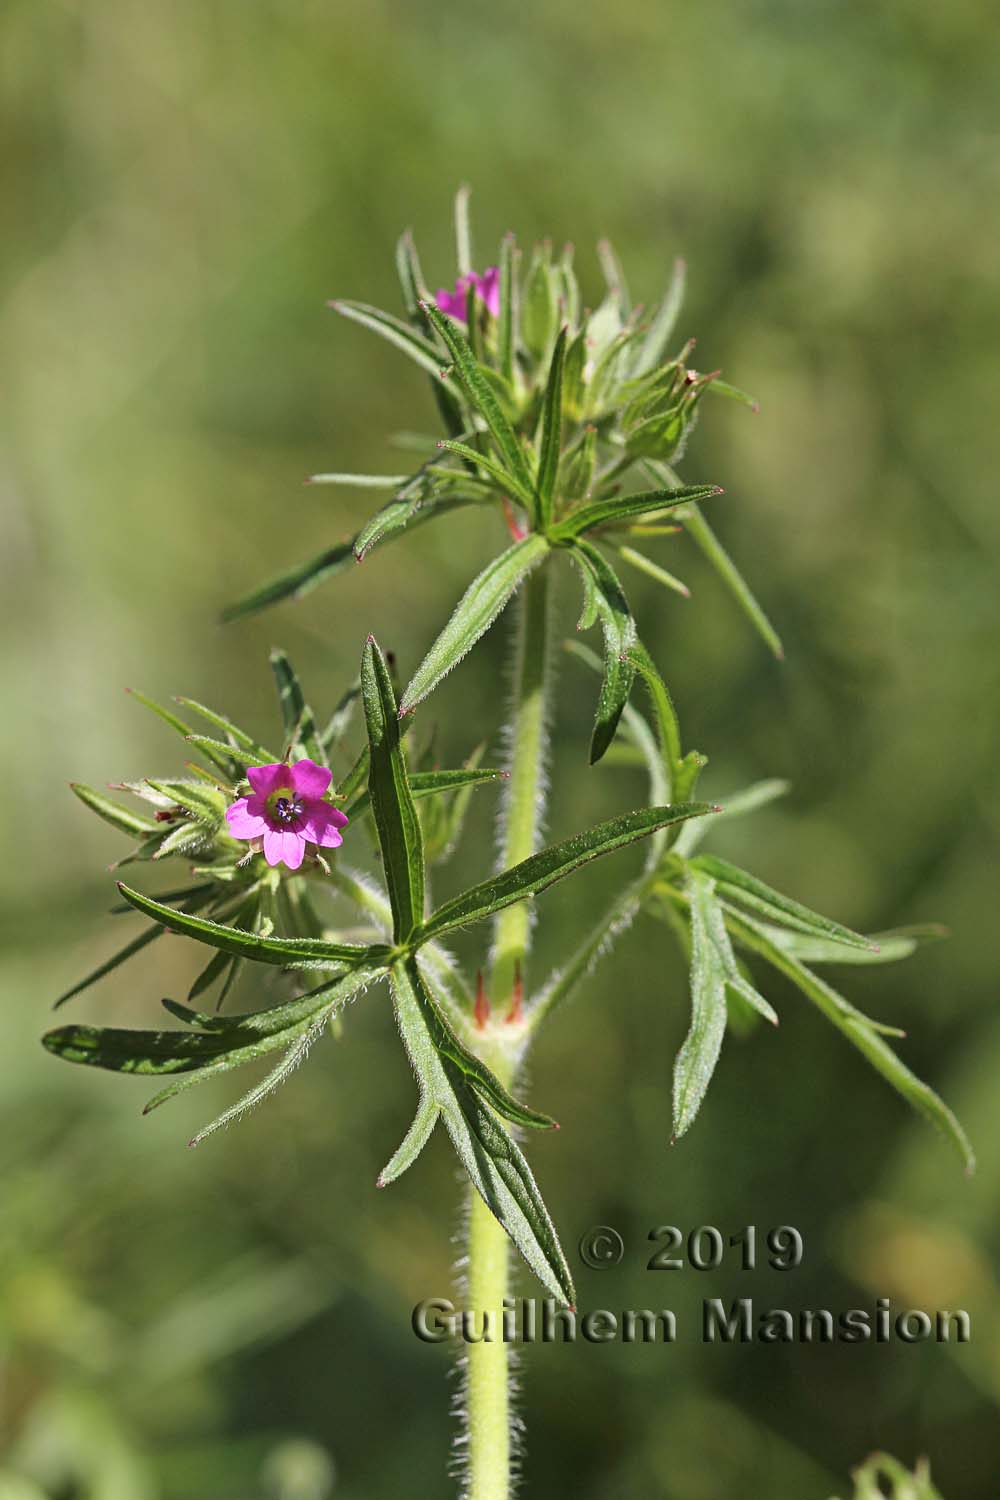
(286, 810)
(487, 286)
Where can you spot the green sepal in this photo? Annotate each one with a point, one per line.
(112, 812)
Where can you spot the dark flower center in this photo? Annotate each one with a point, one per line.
(288, 809)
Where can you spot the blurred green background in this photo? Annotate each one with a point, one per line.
(185, 185)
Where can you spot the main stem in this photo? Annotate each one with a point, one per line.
(487, 1391)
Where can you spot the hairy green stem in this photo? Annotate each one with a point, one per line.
(488, 1414)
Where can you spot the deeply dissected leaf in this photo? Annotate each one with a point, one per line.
(493, 1161)
(857, 1028)
(539, 871)
(474, 614)
(396, 819)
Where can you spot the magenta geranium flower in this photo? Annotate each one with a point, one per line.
(456, 303)
(286, 811)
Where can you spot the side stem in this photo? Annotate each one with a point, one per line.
(487, 1390)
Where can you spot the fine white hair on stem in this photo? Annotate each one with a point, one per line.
(514, 669)
(459, 1373)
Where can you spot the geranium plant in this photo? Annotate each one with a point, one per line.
(563, 428)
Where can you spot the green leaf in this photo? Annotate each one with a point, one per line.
(196, 897)
(258, 754)
(747, 890)
(735, 806)
(539, 871)
(292, 953)
(507, 328)
(699, 1054)
(475, 1072)
(507, 481)
(419, 349)
(653, 570)
(293, 584)
(463, 232)
(493, 1161)
(413, 1143)
(405, 510)
(551, 443)
(661, 328)
(300, 722)
(296, 1054)
(858, 1030)
(340, 719)
(888, 947)
(286, 1015)
(667, 726)
(396, 818)
(563, 983)
(619, 639)
(435, 784)
(221, 761)
(480, 394)
(411, 277)
(119, 817)
(614, 511)
(474, 614)
(614, 275)
(362, 481)
(301, 580)
(698, 528)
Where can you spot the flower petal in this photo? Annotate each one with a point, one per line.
(320, 823)
(308, 779)
(244, 821)
(489, 290)
(282, 846)
(267, 779)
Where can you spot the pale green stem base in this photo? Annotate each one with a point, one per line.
(488, 1409)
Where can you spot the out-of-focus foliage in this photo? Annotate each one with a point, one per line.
(186, 185)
